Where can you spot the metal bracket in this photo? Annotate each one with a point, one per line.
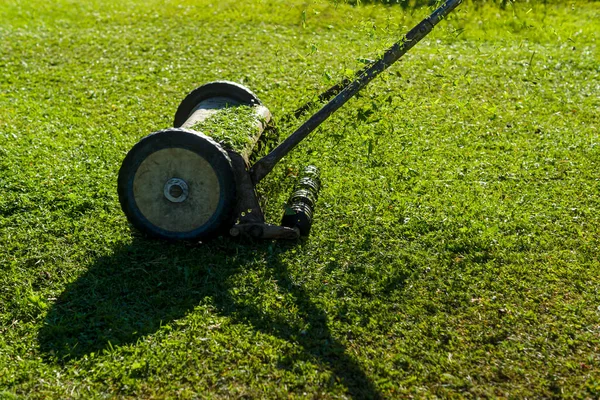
(264, 231)
(249, 217)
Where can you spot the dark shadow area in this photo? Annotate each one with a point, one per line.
(131, 293)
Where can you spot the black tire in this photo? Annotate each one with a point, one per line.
(235, 91)
(207, 209)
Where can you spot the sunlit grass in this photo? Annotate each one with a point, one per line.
(455, 243)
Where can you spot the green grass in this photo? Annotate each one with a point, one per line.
(455, 246)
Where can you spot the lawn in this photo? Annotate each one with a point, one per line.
(454, 251)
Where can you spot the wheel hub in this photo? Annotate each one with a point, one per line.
(176, 190)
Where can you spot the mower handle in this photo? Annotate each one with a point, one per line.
(263, 166)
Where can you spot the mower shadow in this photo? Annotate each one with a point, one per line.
(142, 286)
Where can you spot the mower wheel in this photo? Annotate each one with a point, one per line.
(178, 184)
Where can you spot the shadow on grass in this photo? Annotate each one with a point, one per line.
(140, 287)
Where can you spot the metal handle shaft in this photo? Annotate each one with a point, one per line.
(393, 54)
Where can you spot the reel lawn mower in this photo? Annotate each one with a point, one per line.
(195, 181)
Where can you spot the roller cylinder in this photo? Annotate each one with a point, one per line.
(202, 106)
(301, 205)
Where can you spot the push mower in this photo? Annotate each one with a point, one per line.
(191, 182)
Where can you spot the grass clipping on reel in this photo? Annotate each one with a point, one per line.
(235, 128)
